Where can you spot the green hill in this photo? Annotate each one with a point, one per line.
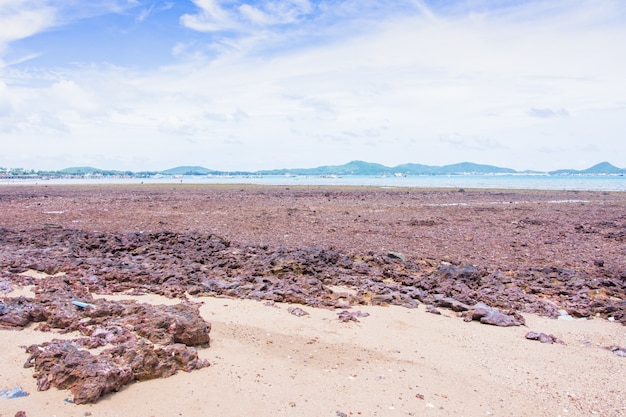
(188, 170)
(603, 168)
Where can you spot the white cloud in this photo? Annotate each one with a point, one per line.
(506, 87)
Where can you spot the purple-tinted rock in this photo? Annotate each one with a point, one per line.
(451, 303)
(345, 315)
(431, 309)
(14, 312)
(544, 338)
(297, 311)
(64, 365)
(493, 316)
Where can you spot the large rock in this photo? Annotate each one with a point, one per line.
(14, 313)
(64, 365)
(493, 316)
(180, 323)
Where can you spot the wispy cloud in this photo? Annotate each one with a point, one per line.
(247, 16)
(23, 18)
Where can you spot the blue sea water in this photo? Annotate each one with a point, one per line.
(529, 182)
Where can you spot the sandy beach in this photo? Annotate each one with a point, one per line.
(395, 360)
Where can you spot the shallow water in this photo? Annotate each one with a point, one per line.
(529, 182)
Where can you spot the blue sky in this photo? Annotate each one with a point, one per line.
(248, 85)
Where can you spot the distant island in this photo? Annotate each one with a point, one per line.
(351, 168)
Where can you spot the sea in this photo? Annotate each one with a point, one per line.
(500, 181)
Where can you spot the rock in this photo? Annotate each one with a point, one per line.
(493, 316)
(64, 365)
(397, 255)
(619, 351)
(179, 323)
(128, 328)
(431, 309)
(14, 313)
(451, 303)
(20, 414)
(61, 364)
(345, 315)
(467, 273)
(297, 311)
(174, 263)
(544, 338)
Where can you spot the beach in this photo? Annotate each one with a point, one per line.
(272, 269)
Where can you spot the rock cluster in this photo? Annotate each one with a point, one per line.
(141, 341)
(173, 264)
(488, 256)
(63, 364)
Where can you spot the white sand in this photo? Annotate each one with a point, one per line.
(268, 362)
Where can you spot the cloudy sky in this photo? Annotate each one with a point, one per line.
(248, 85)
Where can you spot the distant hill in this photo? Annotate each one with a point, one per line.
(351, 168)
(368, 168)
(188, 170)
(469, 167)
(79, 170)
(91, 171)
(603, 168)
(358, 168)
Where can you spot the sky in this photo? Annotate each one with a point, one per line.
(252, 85)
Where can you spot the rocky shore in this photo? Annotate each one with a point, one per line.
(489, 256)
(549, 253)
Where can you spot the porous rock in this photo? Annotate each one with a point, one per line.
(62, 364)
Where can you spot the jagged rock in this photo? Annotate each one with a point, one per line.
(121, 325)
(64, 365)
(467, 273)
(172, 263)
(14, 313)
(432, 310)
(345, 315)
(297, 311)
(179, 323)
(451, 303)
(493, 316)
(544, 338)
